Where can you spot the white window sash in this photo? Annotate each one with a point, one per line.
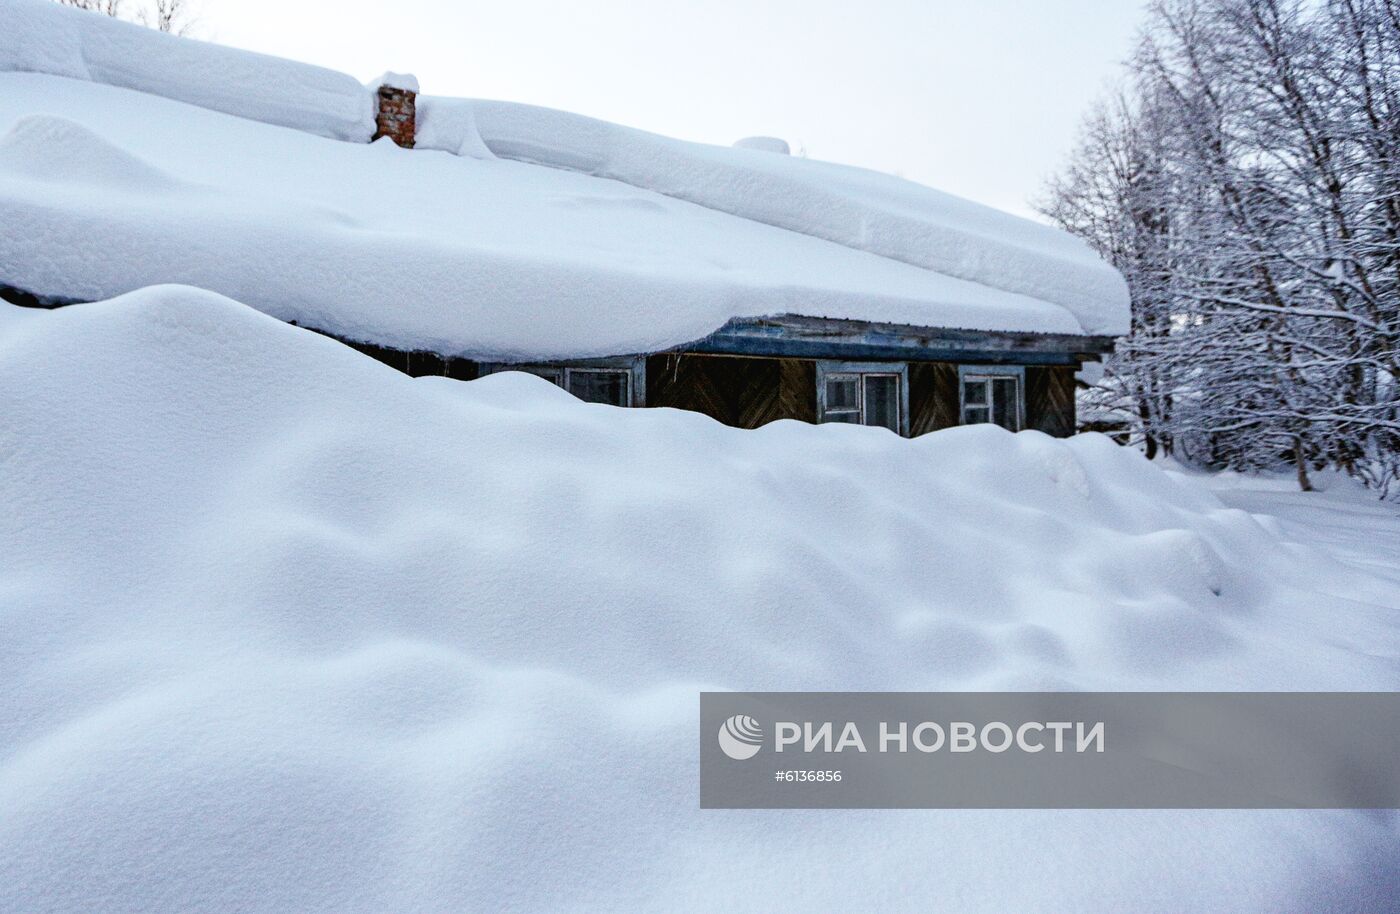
(860, 371)
(985, 376)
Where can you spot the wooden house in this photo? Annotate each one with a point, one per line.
(752, 371)
(627, 268)
(911, 380)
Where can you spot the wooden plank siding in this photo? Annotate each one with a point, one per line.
(751, 391)
(753, 371)
(933, 397)
(747, 392)
(1050, 399)
(738, 391)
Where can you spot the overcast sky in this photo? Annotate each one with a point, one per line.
(980, 98)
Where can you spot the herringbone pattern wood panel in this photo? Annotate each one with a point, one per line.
(933, 396)
(742, 392)
(1050, 399)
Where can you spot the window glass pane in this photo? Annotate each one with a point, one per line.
(842, 394)
(552, 375)
(1004, 403)
(882, 400)
(975, 414)
(975, 392)
(852, 417)
(608, 387)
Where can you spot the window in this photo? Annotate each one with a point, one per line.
(598, 385)
(880, 400)
(851, 393)
(552, 375)
(842, 398)
(612, 386)
(991, 396)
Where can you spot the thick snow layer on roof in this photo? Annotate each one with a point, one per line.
(449, 126)
(853, 207)
(285, 630)
(43, 37)
(418, 249)
(493, 258)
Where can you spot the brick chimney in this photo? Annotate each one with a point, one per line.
(395, 114)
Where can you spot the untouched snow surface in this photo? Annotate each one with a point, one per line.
(43, 37)
(286, 630)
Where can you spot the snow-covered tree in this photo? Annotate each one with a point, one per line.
(1247, 182)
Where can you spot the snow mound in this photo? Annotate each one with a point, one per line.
(42, 37)
(764, 144)
(449, 124)
(55, 149)
(286, 630)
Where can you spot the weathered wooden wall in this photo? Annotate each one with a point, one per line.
(933, 396)
(747, 392)
(743, 392)
(1050, 399)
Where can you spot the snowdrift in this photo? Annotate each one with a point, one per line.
(288, 630)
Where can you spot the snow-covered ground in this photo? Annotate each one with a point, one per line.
(286, 630)
(1342, 517)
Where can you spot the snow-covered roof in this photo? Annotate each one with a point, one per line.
(129, 158)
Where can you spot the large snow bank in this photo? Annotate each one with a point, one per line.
(286, 630)
(43, 37)
(853, 207)
(489, 258)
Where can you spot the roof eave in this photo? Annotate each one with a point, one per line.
(795, 336)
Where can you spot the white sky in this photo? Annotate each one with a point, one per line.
(980, 98)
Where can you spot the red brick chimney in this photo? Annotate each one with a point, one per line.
(395, 114)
